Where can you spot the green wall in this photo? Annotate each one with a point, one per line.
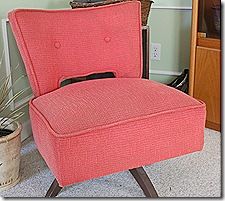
(178, 3)
(170, 27)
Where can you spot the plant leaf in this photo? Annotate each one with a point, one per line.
(10, 74)
(3, 90)
(6, 105)
(13, 119)
(10, 114)
(5, 93)
(1, 59)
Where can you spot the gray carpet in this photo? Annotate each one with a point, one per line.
(193, 175)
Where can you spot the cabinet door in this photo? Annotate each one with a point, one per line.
(207, 83)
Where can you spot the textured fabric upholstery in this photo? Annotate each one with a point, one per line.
(89, 129)
(108, 101)
(73, 43)
(98, 127)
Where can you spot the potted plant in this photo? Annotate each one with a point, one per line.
(10, 134)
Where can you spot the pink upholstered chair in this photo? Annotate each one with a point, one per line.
(93, 128)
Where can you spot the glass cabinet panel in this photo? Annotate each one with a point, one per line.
(209, 18)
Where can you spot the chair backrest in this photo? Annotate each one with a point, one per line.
(60, 44)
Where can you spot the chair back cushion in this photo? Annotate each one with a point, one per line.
(60, 44)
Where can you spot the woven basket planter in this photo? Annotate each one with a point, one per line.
(145, 6)
(10, 147)
(145, 10)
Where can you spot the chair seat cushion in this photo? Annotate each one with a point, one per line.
(97, 127)
(86, 106)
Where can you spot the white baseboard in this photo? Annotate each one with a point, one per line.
(26, 130)
(164, 72)
(173, 7)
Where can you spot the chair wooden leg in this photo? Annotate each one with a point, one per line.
(54, 189)
(138, 173)
(144, 182)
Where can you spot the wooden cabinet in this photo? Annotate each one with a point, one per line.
(207, 83)
(205, 67)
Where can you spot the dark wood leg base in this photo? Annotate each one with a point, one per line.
(53, 190)
(144, 182)
(138, 173)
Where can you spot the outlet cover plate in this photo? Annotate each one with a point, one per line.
(155, 51)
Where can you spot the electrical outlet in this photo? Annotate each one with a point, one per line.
(155, 51)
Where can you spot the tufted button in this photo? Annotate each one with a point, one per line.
(107, 39)
(57, 45)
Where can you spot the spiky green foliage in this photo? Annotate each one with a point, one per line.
(7, 116)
